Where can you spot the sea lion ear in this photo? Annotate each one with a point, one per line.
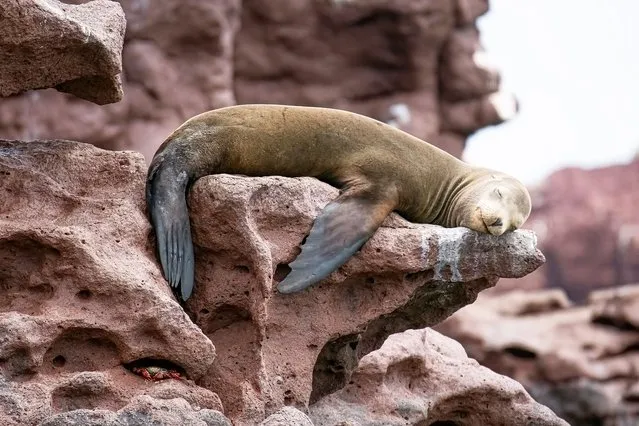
(342, 228)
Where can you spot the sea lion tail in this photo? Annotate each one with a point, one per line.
(166, 189)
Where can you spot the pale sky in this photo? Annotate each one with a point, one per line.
(574, 67)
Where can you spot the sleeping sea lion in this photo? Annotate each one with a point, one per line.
(378, 169)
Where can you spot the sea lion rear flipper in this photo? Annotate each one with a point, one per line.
(341, 229)
(168, 209)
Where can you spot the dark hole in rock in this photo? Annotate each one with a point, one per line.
(633, 347)
(84, 294)
(154, 362)
(610, 321)
(204, 311)
(242, 268)
(281, 272)
(632, 397)
(334, 366)
(520, 352)
(370, 280)
(59, 361)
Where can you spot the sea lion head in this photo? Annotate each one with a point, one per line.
(494, 203)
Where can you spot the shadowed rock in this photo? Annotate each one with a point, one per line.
(420, 377)
(581, 361)
(279, 349)
(74, 48)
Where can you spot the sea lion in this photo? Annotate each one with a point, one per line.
(377, 167)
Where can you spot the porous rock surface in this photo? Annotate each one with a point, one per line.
(580, 360)
(417, 64)
(83, 296)
(80, 293)
(74, 48)
(588, 228)
(420, 377)
(274, 349)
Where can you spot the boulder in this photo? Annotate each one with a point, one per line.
(75, 48)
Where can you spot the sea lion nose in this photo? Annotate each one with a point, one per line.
(498, 222)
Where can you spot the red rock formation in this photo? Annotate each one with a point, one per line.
(74, 48)
(416, 63)
(247, 230)
(588, 229)
(581, 361)
(420, 377)
(82, 297)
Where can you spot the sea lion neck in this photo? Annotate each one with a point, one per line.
(461, 197)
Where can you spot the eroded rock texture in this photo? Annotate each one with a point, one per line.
(420, 377)
(415, 63)
(83, 299)
(80, 293)
(588, 229)
(74, 48)
(581, 361)
(275, 350)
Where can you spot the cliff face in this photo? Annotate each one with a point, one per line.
(415, 63)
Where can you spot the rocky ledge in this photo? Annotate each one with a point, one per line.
(580, 360)
(84, 302)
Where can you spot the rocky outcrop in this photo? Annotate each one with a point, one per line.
(420, 377)
(81, 296)
(74, 48)
(581, 361)
(83, 300)
(276, 350)
(588, 229)
(417, 64)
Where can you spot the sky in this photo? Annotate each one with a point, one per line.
(574, 67)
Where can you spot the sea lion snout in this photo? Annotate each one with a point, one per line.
(494, 223)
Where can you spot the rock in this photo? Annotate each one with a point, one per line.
(588, 229)
(143, 410)
(420, 377)
(84, 302)
(81, 293)
(467, 11)
(183, 57)
(582, 361)
(74, 48)
(287, 416)
(276, 350)
(177, 62)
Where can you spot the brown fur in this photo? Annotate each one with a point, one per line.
(378, 167)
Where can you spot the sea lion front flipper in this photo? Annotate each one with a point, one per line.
(342, 228)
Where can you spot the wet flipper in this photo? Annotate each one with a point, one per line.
(166, 200)
(341, 229)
